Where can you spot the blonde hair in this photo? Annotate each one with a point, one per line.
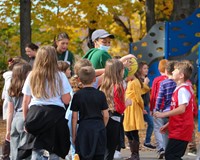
(112, 78)
(45, 71)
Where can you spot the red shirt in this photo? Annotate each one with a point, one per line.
(155, 91)
(181, 126)
(119, 101)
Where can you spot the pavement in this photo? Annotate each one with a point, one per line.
(150, 155)
(144, 155)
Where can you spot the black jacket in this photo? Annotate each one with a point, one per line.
(47, 129)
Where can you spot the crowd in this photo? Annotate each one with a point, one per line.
(57, 105)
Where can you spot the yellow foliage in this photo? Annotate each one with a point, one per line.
(75, 17)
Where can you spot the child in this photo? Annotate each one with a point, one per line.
(46, 90)
(64, 67)
(153, 96)
(91, 105)
(112, 86)
(133, 115)
(166, 90)
(142, 74)
(7, 77)
(192, 148)
(76, 86)
(181, 122)
(15, 123)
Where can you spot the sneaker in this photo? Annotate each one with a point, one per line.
(191, 153)
(161, 153)
(117, 155)
(148, 145)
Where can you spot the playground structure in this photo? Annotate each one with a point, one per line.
(177, 40)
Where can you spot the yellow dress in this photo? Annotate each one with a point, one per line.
(133, 115)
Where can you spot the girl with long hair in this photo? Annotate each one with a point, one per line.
(142, 73)
(61, 42)
(112, 86)
(46, 90)
(15, 122)
(7, 78)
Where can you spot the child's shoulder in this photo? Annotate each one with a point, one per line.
(183, 88)
(159, 78)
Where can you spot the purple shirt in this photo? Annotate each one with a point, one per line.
(166, 90)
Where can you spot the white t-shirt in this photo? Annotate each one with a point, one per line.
(183, 96)
(51, 101)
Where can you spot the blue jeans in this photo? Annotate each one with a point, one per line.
(165, 135)
(158, 122)
(148, 118)
(72, 147)
(37, 154)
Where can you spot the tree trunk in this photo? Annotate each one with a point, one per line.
(183, 9)
(150, 14)
(125, 29)
(90, 44)
(25, 25)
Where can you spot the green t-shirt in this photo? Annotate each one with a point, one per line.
(97, 57)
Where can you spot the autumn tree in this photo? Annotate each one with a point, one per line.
(128, 20)
(150, 14)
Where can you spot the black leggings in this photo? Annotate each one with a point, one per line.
(133, 135)
(113, 138)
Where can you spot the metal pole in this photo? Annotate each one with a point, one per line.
(166, 40)
(131, 48)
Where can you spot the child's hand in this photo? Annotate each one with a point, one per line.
(127, 64)
(158, 115)
(7, 136)
(73, 140)
(25, 130)
(76, 157)
(163, 129)
(128, 102)
(146, 80)
(145, 112)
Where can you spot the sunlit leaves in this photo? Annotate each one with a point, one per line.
(75, 17)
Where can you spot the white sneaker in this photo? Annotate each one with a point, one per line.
(117, 155)
(191, 154)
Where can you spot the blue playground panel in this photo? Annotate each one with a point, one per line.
(171, 40)
(199, 91)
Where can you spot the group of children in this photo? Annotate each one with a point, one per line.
(173, 105)
(49, 108)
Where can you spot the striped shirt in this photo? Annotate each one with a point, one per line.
(166, 90)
